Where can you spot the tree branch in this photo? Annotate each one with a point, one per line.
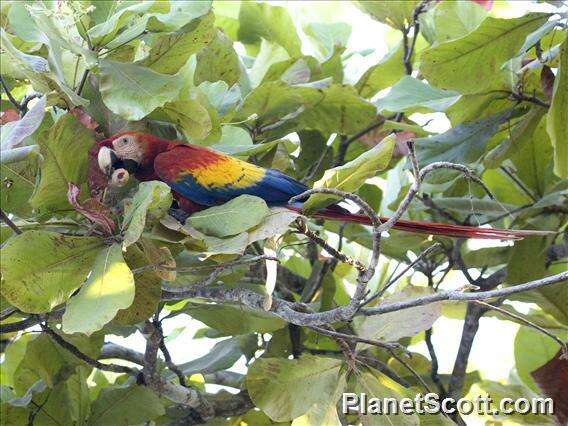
(83, 357)
(9, 222)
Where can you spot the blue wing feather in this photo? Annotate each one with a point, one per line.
(275, 188)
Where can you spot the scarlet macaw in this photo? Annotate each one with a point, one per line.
(201, 177)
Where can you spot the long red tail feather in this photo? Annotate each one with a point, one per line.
(432, 228)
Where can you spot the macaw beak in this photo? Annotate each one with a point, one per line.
(107, 160)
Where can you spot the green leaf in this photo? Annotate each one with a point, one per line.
(42, 269)
(170, 51)
(179, 15)
(445, 65)
(393, 326)
(409, 93)
(218, 61)
(130, 405)
(272, 23)
(384, 74)
(452, 19)
(18, 184)
(396, 13)
(353, 174)
(558, 116)
(65, 154)
(341, 110)
(110, 287)
(471, 205)
(132, 91)
(542, 350)
(272, 101)
(533, 159)
(148, 291)
(272, 384)
(15, 132)
(149, 204)
(231, 218)
(21, 65)
(328, 36)
(233, 320)
(190, 116)
(372, 382)
(46, 360)
(222, 356)
(464, 143)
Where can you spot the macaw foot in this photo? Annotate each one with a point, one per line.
(178, 214)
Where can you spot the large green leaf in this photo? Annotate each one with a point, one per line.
(396, 13)
(222, 356)
(272, 384)
(18, 184)
(148, 291)
(406, 323)
(328, 36)
(231, 218)
(340, 111)
(129, 405)
(464, 143)
(218, 61)
(272, 23)
(170, 51)
(149, 204)
(132, 91)
(350, 176)
(372, 382)
(110, 287)
(557, 117)
(410, 93)
(382, 75)
(450, 20)
(41, 269)
(46, 360)
(480, 55)
(532, 350)
(65, 154)
(191, 117)
(233, 320)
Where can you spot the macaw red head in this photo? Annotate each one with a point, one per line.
(129, 150)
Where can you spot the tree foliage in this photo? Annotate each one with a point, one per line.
(83, 261)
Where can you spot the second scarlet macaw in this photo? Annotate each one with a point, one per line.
(201, 177)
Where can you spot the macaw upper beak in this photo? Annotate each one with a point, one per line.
(107, 160)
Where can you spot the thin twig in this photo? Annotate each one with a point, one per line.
(221, 266)
(412, 370)
(434, 367)
(302, 227)
(526, 322)
(80, 355)
(82, 82)
(12, 100)
(346, 141)
(519, 183)
(352, 337)
(401, 274)
(9, 222)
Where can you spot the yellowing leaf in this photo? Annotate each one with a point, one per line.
(40, 269)
(285, 389)
(353, 174)
(109, 288)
